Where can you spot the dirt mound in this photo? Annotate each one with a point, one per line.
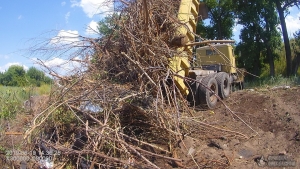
(272, 114)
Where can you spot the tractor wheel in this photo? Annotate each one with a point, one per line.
(223, 84)
(241, 86)
(194, 92)
(206, 96)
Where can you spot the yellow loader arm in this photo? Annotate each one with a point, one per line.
(188, 16)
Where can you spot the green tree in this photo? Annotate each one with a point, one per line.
(221, 15)
(250, 47)
(37, 77)
(282, 8)
(14, 76)
(107, 25)
(17, 76)
(296, 60)
(1, 78)
(271, 36)
(259, 35)
(48, 80)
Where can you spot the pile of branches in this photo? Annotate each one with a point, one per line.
(140, 44)
(123, 110)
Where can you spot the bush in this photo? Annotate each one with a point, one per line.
(44, 89)
(11, 100)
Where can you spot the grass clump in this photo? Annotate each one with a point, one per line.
(273, 81)
(44, 89)
(12, 98)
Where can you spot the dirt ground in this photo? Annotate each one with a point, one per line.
(274, 116)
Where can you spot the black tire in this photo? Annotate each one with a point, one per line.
(241, 86)
(206, 96)
(192, 97)
(223, 84)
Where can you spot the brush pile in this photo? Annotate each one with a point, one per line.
(123, 110)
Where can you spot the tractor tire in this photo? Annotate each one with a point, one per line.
(223, 84)
(207, 97)
(193, 93)
(241, 86)
(191, 97)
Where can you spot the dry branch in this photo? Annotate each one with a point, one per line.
(126, 103)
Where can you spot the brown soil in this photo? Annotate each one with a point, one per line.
(11, 138)
(272, 113)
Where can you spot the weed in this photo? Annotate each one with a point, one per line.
(63, 116)
(12, 98)
(273, 81)
(44, 89)
(10, 102)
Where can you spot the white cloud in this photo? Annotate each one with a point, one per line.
(54, 62)
(237, 28)
(93, 7)
(62, 66)
(292, 23)
(63, 3)
(236, 32)
(92, 28)
(20, 17)
(6, 66)
(66, 37)
(67, 17)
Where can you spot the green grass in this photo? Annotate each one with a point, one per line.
(273, 81)
(12, 98)
(44, 89)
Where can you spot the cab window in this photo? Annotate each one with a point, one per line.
(210, 52)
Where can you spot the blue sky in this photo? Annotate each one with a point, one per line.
(25, 21)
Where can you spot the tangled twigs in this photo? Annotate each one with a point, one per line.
(67, 151)
(157, 155)
(125, 104)
(224, 130)
(122, 134)
(144, 158)
(140, 67)
(28, 132)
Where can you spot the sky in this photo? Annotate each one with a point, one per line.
(24, 23)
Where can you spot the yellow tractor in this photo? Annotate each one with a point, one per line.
(213, 66)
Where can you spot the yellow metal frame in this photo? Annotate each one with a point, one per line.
(208, 56)
(188, 16)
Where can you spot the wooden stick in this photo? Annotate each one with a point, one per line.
(13, 133)
(139, 65)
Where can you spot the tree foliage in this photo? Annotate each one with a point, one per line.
(37, 77)
(282, 8)
(296, 48)
(259, 35)
(17, 76)
(221, 15)
(107, 25)
(14, 76)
